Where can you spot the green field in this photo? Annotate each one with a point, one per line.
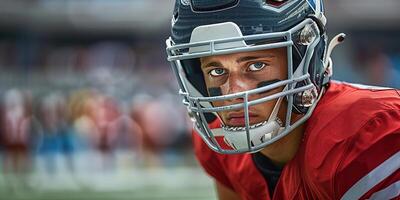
(164, 184)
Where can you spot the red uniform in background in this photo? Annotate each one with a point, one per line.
(350, 150)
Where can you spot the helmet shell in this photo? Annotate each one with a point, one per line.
(252, 16)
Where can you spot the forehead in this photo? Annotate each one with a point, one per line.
(279, 53)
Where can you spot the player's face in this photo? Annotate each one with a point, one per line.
(228, 74)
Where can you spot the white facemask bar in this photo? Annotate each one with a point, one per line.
(173, 51)
(194, 103)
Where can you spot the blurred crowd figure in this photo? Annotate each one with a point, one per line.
(165, 127)
(104, 126)
(16, 126)
(378, 67)
(16, 121)
(56, 137)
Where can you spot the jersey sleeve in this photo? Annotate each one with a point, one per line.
(370, 164)
(210, 161)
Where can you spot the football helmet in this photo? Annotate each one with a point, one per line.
(202, 28)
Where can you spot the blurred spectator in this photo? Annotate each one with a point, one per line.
(129, 134)
(16, 125)
(394, 75)
(57, 138)
(164, 126)
(103, 111)
(375, 65)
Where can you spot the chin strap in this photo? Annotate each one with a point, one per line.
(328, 65)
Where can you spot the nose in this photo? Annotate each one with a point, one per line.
(239, 82)
(235, 83)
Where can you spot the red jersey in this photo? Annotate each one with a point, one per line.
(350, 150)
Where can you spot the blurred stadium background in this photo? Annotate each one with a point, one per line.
(88, 103)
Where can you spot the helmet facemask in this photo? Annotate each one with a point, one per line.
(226, 38)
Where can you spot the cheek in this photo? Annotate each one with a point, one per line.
(219, 103)
(263, 110)
(212, 82)
(268, 75)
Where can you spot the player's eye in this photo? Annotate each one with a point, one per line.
(257, 66)
(217, 72)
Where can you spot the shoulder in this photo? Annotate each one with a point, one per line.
(345, 108)
(351, 100)
(354, 130)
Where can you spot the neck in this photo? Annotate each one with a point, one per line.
(283, 150)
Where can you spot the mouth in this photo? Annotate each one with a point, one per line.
(238, 119)
(243, 128)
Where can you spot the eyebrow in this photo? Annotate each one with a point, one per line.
(213, 64)
(247, 58)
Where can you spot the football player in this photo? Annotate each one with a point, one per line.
(269, 122)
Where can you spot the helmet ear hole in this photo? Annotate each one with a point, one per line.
(319, 23)
(302, 101)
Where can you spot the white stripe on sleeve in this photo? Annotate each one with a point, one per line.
(373, 178)
(390, 192)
